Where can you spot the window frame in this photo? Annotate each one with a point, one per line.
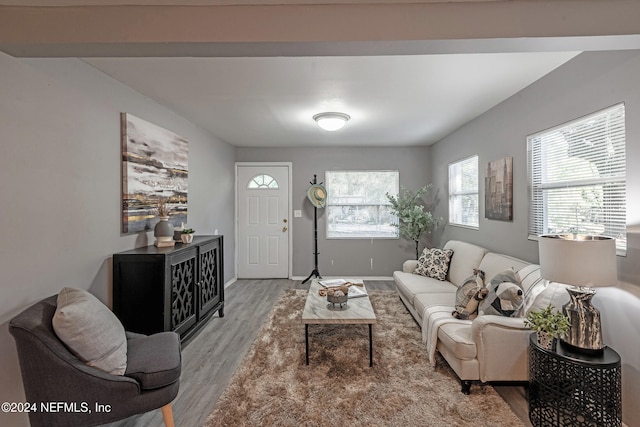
(453, 194)
(262, 186)
(540, 188)
(330, 204)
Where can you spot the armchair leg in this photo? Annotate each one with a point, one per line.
(466, 386)
(167, 415)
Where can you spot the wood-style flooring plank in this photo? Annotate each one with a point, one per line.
(211, 357)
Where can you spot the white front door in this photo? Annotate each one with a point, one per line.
(263, 221)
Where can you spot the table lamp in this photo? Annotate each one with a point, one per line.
(584, 262)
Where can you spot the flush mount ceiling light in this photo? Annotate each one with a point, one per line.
(331, 121)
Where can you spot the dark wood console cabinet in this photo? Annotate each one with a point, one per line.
(169, 289)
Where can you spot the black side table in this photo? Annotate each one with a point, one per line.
(573, 389)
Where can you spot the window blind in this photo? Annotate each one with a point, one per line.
(577, 177)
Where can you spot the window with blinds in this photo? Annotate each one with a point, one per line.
(463, 192)
(577, 177)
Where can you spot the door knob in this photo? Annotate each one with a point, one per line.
(284, 220)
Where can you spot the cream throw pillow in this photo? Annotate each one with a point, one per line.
(532, 284)
(91, 331)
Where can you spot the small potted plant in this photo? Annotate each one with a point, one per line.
(187, 235)
(549, 324)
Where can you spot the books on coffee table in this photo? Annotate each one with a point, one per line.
(356, 292)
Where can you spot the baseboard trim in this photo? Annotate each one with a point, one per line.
(230, 282)
(348, 277)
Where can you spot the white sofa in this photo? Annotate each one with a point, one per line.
(490, 347)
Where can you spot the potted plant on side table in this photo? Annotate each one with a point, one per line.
(187, 235)
(549, 323)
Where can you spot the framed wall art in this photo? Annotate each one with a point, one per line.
(498, 190)
(154, 168)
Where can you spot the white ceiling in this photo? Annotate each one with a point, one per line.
(392, 100)
(404, 90)
(207, 2)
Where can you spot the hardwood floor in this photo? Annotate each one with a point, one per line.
(209, 360)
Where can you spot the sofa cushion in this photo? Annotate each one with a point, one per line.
(466, 257)
(493, 264)
(90, 330)
(434, 263)
(410, 284)
(551, 293)
(505, 295)
(457, 338)
(423, 301)
(154, 360)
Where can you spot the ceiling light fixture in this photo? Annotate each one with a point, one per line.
(331, 121)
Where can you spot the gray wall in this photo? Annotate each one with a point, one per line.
(60, 169)
(350, 257)
(60, 191)
(588, 83)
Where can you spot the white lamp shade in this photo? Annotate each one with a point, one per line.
(331, 121)
(578, 260)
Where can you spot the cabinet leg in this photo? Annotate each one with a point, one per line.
(221, 311)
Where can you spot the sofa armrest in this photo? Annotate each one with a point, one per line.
(490, 321)
(502, 347)
(409, 265)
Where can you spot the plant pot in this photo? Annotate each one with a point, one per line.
(187, 238)
(546, 341)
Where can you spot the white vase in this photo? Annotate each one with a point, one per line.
(187, 238)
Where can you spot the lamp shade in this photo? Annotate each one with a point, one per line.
(331, 121)
(578, 260)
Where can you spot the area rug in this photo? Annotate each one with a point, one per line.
(274, 387)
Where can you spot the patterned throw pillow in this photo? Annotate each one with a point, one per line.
(434, 263)
(466, 292)
(505, 295)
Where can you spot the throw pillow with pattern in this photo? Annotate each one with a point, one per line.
(505, 295)
(466, 292)
(434, 263)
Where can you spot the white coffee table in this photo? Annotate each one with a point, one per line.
(358, 311)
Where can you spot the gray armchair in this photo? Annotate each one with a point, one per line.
(51, 373)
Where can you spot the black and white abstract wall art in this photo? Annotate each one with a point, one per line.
(154, 167)
(498, 188)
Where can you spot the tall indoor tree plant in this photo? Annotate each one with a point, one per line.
(414, 218)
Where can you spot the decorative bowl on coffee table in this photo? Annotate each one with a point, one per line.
(341, 300)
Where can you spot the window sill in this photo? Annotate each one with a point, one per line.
(468, 227)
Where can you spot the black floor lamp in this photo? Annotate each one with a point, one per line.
(317, 195)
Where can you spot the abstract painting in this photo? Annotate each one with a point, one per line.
(498, 190)
(154, 167)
